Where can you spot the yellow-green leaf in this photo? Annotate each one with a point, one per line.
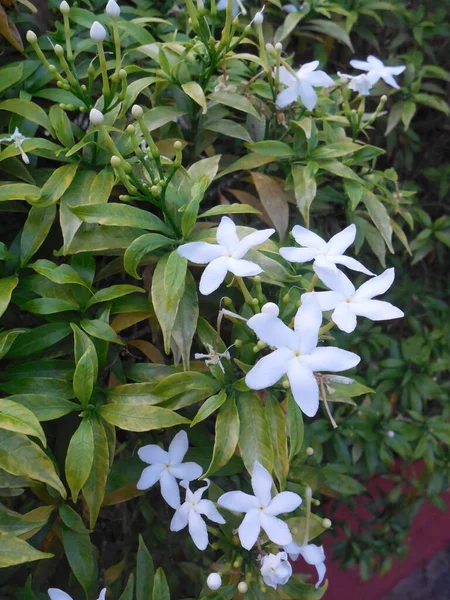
(15, 417)
(226, 437)
(254, 438)
(80, 456)
(7, 286)
(195, 91)
(14, 551)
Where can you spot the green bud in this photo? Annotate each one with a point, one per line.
(238, 343)
(115, 162)
(309, 451)
(326, 523)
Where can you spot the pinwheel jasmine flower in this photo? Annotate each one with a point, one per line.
(361, 83)
(213, 357)
(224, 256)
(18, 140)
(296, 354)
(56, 594)
(261, 509)
(112, 9)
(166, 467)
(189, 514)
(325, 254)
(312, 554)
(378, 70)
(276, 569)
(301, 85)
(237, 6)
(349, 303)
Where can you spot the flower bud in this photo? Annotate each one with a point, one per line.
(122, 74)
(326, 523)
(97, 32)
(59, 50)
(214, 581)
(131, 129)
(178, 145)
(258, 18)
(112, 9)
(137, 111)
(270, 309)
(31, 37)
(278, 46)
(309, 451)
(383, 98)
(242, 587)
(115, 162)
(96, 117)
(64, 7)
(390, 434)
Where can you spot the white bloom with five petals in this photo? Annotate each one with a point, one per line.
(349, 303)
(18, 139)
(226, 255)
(296, 354)
(312, 554)
(56, 594)
(324, 254)
(378, 70)
(189, 513)
(167, 467)
(361, 83)
(237, 6)
(276, 569)
(261, 509)
(301, 85)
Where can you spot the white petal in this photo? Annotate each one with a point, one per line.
(200, 253)
(308, 67)
(312, 554)
(304, 387)
(335, 280)
(330, 359)
(351, 263)
(213, 275)
(238, 501)
(269, 369)
(298, 255)
(222, 4)
(102, 595)
(344, 317)
(307, 324)
(276, 530)
(169, 489)
(293, 549)
(226, 234)
(339, 243)
(180, 518)
(152, 454)
(376, 286)
(387, 78)
(307, 94)
(271, 330)
(150, 475)
(197, 530)
(377, 310)
(362, 65)
(286, 77)
(396, 70)
(56, 594)
(325, 262)
(178, 448)
(243, 268)
(262, 483)
(319, 78)
(187, 471)
(326, 300)
(206, 507)
(305, 237)
(284, 502)
(321, 572)
(286, 97)
(249, 529)
(375, 63)
(256, 238)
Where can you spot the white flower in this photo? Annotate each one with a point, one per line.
(18, 140)
(325, 254)
(259, 17)
(296, 353)
(276, 569)
(349, 303)
(302, 84)
(237, 6)
(361, 83)
(214, 581)
(64, 7)
(189, 514)
(112, 9)
(97, 32)
(213, 357)
(312, 554)
(261, 509)
(376, 68)
(225, 256)
(56, 594)
(166, 466)
(96, 117)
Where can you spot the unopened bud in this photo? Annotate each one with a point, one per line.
(309, 451)
(238, 343)
(258, 18)
(64, 7)
(115, 162)
(96, 117)
(59, 50)
(269, 47)
(383, 98)
(285, 383)
(242, 587)
(31, 37)
(390, 434)
(257, 279)
(97, 32)
(137, 111)
(155, 190)
(326, 523)
(122, 74)
(286, 298)
(131, 129)
(278, 46)
(214, 581)
(178, 145)
(255, 301)
(112, 9)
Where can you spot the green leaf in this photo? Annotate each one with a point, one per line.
(336, 387)
(35, 231)
(226, 436)
(160, 588)
(80, 456)
(82, 343)
(102, 186)
(276, 421)
(113, 292)
(235, 101)
(335, 150)
(10, 76)
(94, 488)
(71, 519)
(45, 407)
(379, 216)
(39, 338)
(332, 29)
(61, 125)
(14, 551)
(13, 523)
(159, 116)
(19, 191)
(119, 215)
(7, 286)
(337, 168)
(271, 148)
(430, 100)
(84, 377)
(136, 87)
(80, 556)
(16, 417)
(245, 163)
(145, 572)
(136, 417)
(305, 188)
(190, 211)
(230, 209)
(274, 199)
(296, 427)
(101, 330)
(20, 456)
(60, 274)
(195, 91)
(174, 278)
(354, 191)
(290, 23)
(29, 110)
(297, 525)
(56, 185)
(7, 338)
(186, 320)
(175, 384)
(48, 306)
(230, 128)
(254, 437)
(209, 406)
(129, 589)
(143, 245)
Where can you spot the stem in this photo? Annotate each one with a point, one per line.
(314, 280)
(324, 398)
(326, 327)
(117, 46)
(308, 495)
(247, 296)
(68, 34)
(103, 68)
